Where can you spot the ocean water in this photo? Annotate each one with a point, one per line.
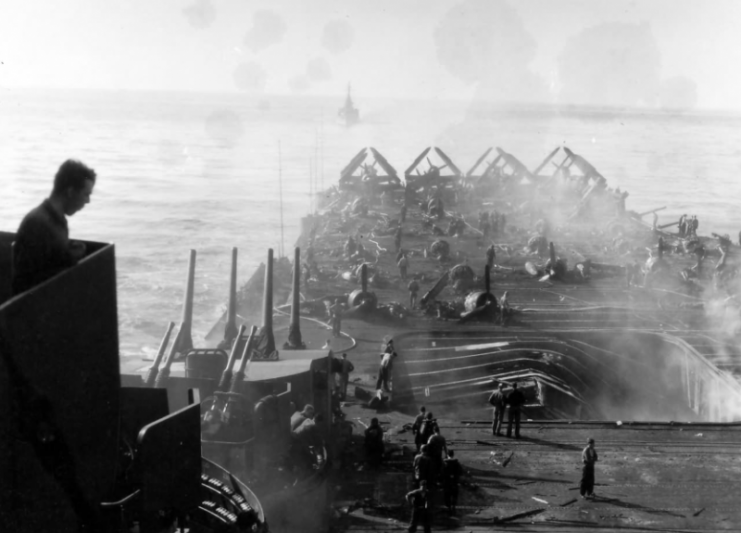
(188, 171)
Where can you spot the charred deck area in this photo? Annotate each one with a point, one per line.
(650, 477)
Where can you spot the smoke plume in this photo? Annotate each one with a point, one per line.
(338, 36)
(612, 64)
(485, 42)
(268, 28)
(200, 14)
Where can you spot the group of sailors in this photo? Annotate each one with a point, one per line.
(688, 226)
(435, 465)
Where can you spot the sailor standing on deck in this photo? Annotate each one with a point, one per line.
(515, 400)
(345, 368)
(497, 417)
(588, 458)
(403, 266)
(413, 290)
(42, 246)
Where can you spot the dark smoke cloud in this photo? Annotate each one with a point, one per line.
(485, 42)
(678, 94)
(612, 64)
(338, 36)
(268, 28)
(250, 77)
(299, 84)
(318, 70)
(200, 14)
(225, 126)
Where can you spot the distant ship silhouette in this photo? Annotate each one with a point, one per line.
(348, 114)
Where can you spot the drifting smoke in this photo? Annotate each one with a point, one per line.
(484, 42)
(337, 36)
(299, 84)
(250, 77)
(268, 28)
(318, 70)
(678, 94)
(225, 127)
(201, 14)
(613, 64)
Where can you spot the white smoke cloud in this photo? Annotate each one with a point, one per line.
(201, 14)
(612, 64)
(250, 77)
(338, 36)
(318, 70)
(485, 42)
(268, 28)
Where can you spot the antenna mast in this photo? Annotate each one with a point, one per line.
(280, 192)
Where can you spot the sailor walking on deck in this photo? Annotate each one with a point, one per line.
(588, 458)
(417, 427)
(497, 400)
(420, 501)
(413, 290)
(515, 400)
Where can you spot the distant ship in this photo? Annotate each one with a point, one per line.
(348, 114)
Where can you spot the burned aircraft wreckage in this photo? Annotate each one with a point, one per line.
(530, 277)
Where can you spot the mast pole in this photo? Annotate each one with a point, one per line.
(280, 192)
(316, 163)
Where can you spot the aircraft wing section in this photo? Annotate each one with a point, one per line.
(354, 163)
(386, 166)
(449, 162)
(478, 162)
(416, 161)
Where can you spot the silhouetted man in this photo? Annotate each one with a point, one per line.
(451, 476)
(420, 501)
(497, 417)
(588, 458)
(515, 400)
(42, 245)
(374, 443)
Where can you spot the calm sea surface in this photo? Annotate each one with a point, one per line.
(201, 171)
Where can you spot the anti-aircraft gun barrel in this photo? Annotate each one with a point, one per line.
(238, 377)
(226, 376)
(154, 369)
(164, 373)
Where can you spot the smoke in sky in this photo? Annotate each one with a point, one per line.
(338, 36)
(299, 84)
(318, 70)
(268, 28)
(200, 14)
(485, 42)
(612, 64)
(250, 77)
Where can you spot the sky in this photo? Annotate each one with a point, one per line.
(678, 54)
